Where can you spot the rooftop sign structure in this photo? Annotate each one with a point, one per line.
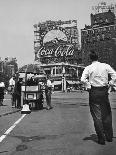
(103, 7)
(56, 41)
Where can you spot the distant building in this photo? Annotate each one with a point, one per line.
(1, 65)
(8, 68)
(100, 35)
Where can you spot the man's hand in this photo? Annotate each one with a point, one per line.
(111, 88)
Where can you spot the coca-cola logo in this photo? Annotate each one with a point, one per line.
(61, 50)
(66, 50)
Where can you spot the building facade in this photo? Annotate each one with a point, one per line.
(100, 35)
(56, 46)
(8, 68)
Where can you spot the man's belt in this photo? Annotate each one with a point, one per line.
(99, 88)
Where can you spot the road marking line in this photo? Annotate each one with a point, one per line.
(11, 128)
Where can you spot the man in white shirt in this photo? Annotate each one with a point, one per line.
(12, 82)
(48, 91)
(95, 77)
(12, 86)
(2, 87)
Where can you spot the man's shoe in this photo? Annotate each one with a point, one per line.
(101, 141)
(48, 108)
(18, 107)
(109, 140)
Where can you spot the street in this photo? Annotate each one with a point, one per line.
(67, 129)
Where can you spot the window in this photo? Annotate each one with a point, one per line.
(101, 20)
(98, 37)
(101, 29)
(112, 28)
(103, 36)
(107, 28)
(96, 30)
(36, 44)
(106, 20)
(37, 37)
(53, 71)
(58, 70)
(92, 31)
(104, 28)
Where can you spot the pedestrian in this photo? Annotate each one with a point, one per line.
(12, 86)
(96, 77)
(68, 89)
(48, 91)
(17, 92)
(2, 86)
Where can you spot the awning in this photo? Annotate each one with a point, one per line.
(57, 82)
(70, 82)
(21, 75)
(73, 82)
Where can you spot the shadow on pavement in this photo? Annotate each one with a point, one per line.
(92, 137)
(3, 105)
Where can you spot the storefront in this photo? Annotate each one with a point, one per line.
(63, 74)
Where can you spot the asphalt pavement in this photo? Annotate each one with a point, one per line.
(8, 109)
(67, 129)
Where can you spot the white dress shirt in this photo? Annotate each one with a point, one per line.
(96, 75)
(11, 82)
(49, 84)
(2, 84)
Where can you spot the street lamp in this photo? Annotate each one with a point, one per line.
(63, 78)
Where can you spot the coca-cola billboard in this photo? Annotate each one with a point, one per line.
(56, 41)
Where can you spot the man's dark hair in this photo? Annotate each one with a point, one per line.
(93, 56)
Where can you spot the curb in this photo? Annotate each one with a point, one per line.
(4, 114)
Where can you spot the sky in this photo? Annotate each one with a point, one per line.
(17, 18)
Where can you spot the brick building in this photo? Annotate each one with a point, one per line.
(101, 37)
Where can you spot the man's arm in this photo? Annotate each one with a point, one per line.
(84, 79)
(112, 73)
(112, 81)
(85, 75)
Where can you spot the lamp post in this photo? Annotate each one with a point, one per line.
(63, 73)
(63, 79)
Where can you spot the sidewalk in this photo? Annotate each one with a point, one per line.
(7, 109)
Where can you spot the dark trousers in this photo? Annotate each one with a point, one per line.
(13, 99)
(18, 98)
(101, 112)
(48, 97)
